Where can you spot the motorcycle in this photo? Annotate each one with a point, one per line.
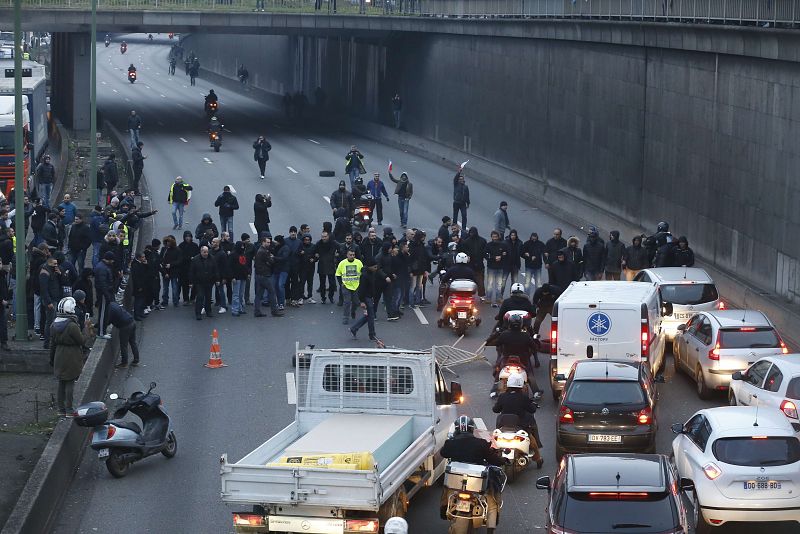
(464, 502)
(121, 443)
(211, 108)
(132, 76)
(108, 42)
(123, 48)
(362, 215)
(512, 365)
(460, 311)
(215, 140)
(514, 443)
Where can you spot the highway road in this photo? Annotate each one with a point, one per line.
(236, 408)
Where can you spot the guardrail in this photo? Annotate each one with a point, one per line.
(774, 13)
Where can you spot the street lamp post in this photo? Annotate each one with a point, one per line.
(93, 109)
(19, 181)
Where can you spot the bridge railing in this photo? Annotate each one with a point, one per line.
(781, 13)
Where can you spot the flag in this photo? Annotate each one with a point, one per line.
(464, 164)
(390, 166)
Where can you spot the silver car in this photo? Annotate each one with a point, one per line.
(715, 344)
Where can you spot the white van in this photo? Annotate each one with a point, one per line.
(618, 320)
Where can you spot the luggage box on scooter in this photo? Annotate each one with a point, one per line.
(468, 477)
(468, 287)
(92, 414)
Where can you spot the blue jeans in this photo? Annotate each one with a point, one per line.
(175, 283)
(134, 137)
(415, 291)
(397, 295)
(96, 253)
(367, 318)
(177, 213)
(494, 281)
(226, 224)
(78, 258)
(44, 191)
(533, 280)
(353, 174)
(280, 286)
(402, 203)
(237, 305)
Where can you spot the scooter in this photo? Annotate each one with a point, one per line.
(464, 503)
(362, 215)
(211, 108)
(120, 443)
(123, 48)
(215, 140)
(514, 442)
(460, 311)
(108, 42)
(132, 76)
(513, 365)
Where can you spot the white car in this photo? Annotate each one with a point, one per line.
(744, 463)
(715, 344)
(689, 289)
(772, 382)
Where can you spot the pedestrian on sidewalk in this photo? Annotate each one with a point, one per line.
(79, 241)
(138, 166)
(397, 108)
(348, 273)
(404, 191)
(45, 176)
(66, 355)
(126, 329)
(140, 285)
(134, 127)
(261, 154)
(110, 175)
(104, 288)
(51, 293)
(67, 210)
(227, 204)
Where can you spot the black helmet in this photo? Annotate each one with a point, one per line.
(464, 425)
(359, 181)
(515, 322)
(663, 227)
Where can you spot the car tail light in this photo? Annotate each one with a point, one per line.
(618, 495)
(361, 525)
(784, 348)
(249, 520)
(721, 305)
(713, 354)
(711, 471)
(645, 416)
(789, 408)
(565, 415)
(111, 431)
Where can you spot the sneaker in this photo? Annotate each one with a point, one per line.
(104, 336)
(202, 311)
(41, 337)
(299, 302)
(352, 332)
(222, 310)
(310, 301)
(262, 176)
(281, 307)
(393, 318)
(135, 363)
(160, 307)
(147, 310)
(121, 365)
(146, 313)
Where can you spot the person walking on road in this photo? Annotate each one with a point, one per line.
(376, 188)
(261, 213)
(404, 191)
(533, 254)
(194, 71)
(203, 274)
(460, 198)
(615, 251)
(348, 273)
(240, 273)
(341, 199)
(370, 288)
(179, 194)
(45, 176)
(553, 245)
(264, 266)
(324, 254)
(138, 166)
(66, 355)
(500, 220)
(134, 127)
(261, 154)
(125, 326)
(354, 166)
(110, 174)
(227, 204)
(594, 255)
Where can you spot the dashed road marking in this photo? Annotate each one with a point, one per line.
(291, 169)
(208, 161)
(182, 139)
(315, 142)
(479, 424)
(163, 96)
(147, 86)
(127, 99)
(115, 90)
(103, 83)
(327, 199)
(253, 228)
(420, 315)
(278, 126)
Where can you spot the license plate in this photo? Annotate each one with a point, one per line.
(604, 438)
(103, 453)
(462, 315)
(305, 524)
(463, 506)
(682, 315)
(762, 485)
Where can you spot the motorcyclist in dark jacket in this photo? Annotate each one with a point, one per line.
(515, 401)
(659, 245)
(475, 247)
(517, 301)
(515, 342)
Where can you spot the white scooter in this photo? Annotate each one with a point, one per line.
(515, 445)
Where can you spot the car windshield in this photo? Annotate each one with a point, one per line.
(793, 389)
(689, 294)
(586, 512)
(749, 338)
(758, 451)
(605, 392)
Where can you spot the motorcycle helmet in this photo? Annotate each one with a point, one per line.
(66, 305)
(515, 322)
(452, 246)
(662, 227)
(395, 525)
(462, 258)
(517, 288)
(515, 380)
(464, 424)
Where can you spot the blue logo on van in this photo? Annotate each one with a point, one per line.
(599, 324)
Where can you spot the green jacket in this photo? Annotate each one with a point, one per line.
(66, 347)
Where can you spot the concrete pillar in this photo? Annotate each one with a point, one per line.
(71, 61)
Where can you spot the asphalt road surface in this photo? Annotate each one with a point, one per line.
(237, 408)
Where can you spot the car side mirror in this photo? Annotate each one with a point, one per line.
(560, 378)
(543, 483)
(686, 484)
(681, 328)
(677, 428)
(456, 394)
(666, 309)
(737, 376)
(589, 351)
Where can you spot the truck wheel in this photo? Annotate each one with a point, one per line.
(116, 466)
(395, 506)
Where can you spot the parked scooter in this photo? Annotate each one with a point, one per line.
(515, 444)
(464, 503)
(460, 311)
(120, 443)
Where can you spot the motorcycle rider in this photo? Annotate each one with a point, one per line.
(123, 47)
(514, 401)
(214, 125)
(131, 69)
(211, 97)
(460, 271)
(515, 342)
(359, 190)
(517, 301)
(354, 165)
(466, 447)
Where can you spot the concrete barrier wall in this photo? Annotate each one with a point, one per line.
(624, 134)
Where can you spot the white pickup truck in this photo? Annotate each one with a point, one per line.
(368, 428)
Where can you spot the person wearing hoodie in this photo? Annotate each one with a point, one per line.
(51, 293)
(204, 276)
(561, 272)
(293, 288)
(342, 226)
(80, 238)
(496, 268)
(575, 257)
(615, 251)
(220, 257)
(104, 288)
(532, 252)
(280, 269)
(682, 255)
(635, 258)
(240, 271)
(98, 226)
(404, 191)
(206, 224)
(140, 285)
(171, 266)
(306, 268)
(261, 213)
(227, 204)
(341, 199)
(125, 326)
(474, 246)
(264, 266)
(514, 246)
(85, 284)
(66, 354)
(189, 249)
(419, 264)
(594, 255)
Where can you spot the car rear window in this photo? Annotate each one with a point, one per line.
(606, 392)
(758, 452)
(749, 338)
(793, 389)
(689, 294)
(586, 512)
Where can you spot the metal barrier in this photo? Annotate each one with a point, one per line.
(781, 13)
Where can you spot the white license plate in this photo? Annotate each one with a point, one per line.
(305, 524)
(462, 315)
(604, 438)
(682, 315)
(103, 453)
(463, 506)
(762, 485)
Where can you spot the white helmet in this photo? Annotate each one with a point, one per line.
(395, 525)
(462, 258)
(515, 380)
(517, 288)
(66, 305)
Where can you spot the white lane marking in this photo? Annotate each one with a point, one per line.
(327, 199)
(182, 139)
(147, 86)
(184, 87)
(103, 83)
(163, 96)
(232, 189)
(291, 389)
(420, 316)
(253, 228)
(291, 169)
(479, 424)
(127, 99)
(115, 90)
(315, 142)
(208, 161)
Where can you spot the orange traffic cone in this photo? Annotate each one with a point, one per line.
(214, 360)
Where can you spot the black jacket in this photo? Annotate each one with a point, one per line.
(205, 224)
(138, 159)
(264, 263)
(575, 257)
(460, 192)
(203, 270)
(514, 253)
(552, 246)
(140, 278)
(325, 256)
(516, 402)
(118, 316)
(516, 343)
(474, 246)
(681, 258)
(472, 450)
(636, 258)
(561, 274)
(227, 204)
(515, 303)
(111, 173)
(342, 199)
(459, 271)
(594, 255)
(371, 284)
(261, 211)
(261, 150)
(493, 250)
(533, 253)
(370, 249)
(104, 281)
(545, 297)
(80, 237)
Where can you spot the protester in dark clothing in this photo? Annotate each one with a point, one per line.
(110, 175)
(354, 165)
(261, 149)
(80, 239)
(125, 326)
(376, 188)
(264, 267)
(223, 274)
(227, 204)
(460, 198)
(341, 225)
(553, 245)
(240, 273)
(614, 253)
(543, 300)
(206, 224)
(140, 284)
(324, 254)
(104, 288)
(51, 294)
(204, 276)
(138, 165)
(682, 255)
(575, 257)
(444, 229)
(594, 255)
(635, 259)
(370, 287)
(514, 246)
(66, 357)
(171, 261)
(404, 191)
(562, 272)
(261, 213)
(474, 246)
(341, 199)
(496, 266)
(86, 285)
(45, 177)
(533, 252)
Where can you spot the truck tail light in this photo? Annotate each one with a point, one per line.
(645, 416)
(645, 340)
(789, 408)
(249, 520)
(565, 415)
(554, 337)
(361, 525)
(711, 471)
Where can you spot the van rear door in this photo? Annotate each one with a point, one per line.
(612, 333)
